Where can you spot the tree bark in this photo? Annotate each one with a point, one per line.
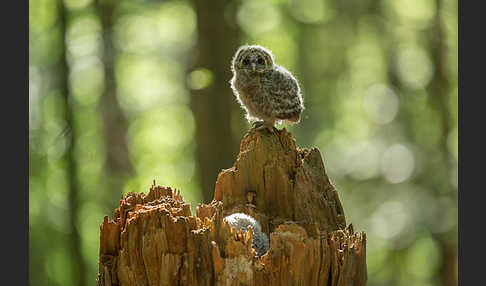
(155, 240)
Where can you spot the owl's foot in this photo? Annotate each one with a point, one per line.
(262, 125)
(257, 124)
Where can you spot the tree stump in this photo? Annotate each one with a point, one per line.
(155, 240)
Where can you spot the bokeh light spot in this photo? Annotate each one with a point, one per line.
(414, 67)
(390, 220)
(87, 80)
(397, 163)
(381, 103)
(83, 37)
(145, 82)
(311, 11)
(170, 28)
(162, 127)
(256, 16)
(418, 11)
(423, 257)
(76, 4)
(200, 78)
(365, 160)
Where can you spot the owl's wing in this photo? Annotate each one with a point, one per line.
(284, 95)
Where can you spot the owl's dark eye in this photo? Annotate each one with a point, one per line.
(246, 61)
(260, 61)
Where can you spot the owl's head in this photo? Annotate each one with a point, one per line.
(252, 59)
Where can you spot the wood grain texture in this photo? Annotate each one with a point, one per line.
(154, 239)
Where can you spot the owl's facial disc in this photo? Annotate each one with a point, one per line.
(254, 63)
(254, 59)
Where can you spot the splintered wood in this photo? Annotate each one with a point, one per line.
(154, 239)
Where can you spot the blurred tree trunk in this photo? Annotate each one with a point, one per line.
(118, 165)
(212, 106)
(439, 89)
(77, 262)
(306, 74)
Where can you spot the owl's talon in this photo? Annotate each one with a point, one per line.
(261, 125)
(257, 124)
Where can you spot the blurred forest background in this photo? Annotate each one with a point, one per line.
(125, 92)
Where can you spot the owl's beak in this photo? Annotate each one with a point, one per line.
(253, 66)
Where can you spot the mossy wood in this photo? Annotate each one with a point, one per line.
(155, 240)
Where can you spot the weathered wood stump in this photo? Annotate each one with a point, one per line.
(155, 240)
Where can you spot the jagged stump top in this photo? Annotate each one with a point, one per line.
(275, 181)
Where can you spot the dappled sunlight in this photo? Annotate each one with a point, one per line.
(417, 12)
(145, 82)
(390, 220)
(365, 159)
(256, 16)
(89, 70)
(169, 27)
(77, 4)
(381, 103)
(200, 78)
(129, 85)
(84, 37)
(423, 258)
(366, 56)
(311, 11)
(159, 128)
(397, 163)
(414, 67)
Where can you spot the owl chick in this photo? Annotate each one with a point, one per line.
(242, 221)
(268, 92)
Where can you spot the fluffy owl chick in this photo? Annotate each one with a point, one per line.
(268, 92)
(242, 221)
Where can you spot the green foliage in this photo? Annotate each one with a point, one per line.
(389, 140)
